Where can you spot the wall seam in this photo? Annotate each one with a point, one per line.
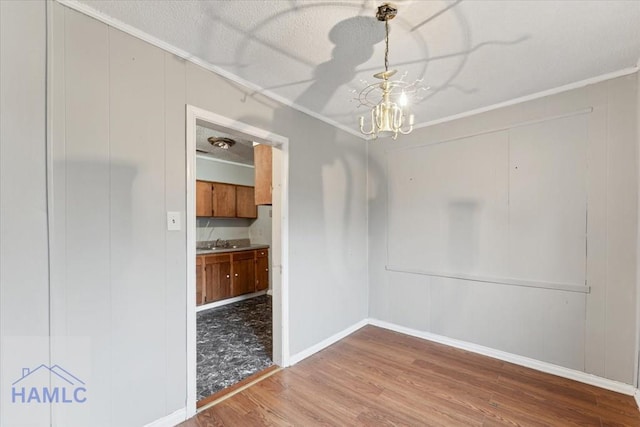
(110, 244)
(368, 239)
(1, 346)
(47, 186)
(636, 379)
(164, 232)
(586, 244)
(606, 228)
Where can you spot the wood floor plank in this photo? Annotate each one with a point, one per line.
(548, 410)
(376, 377)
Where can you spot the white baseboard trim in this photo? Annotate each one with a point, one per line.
(170, 420)
(637, 396)
(229, 301)
(538, 365)
(270, 292)
(326, 342)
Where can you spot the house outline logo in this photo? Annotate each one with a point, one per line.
(71, 390)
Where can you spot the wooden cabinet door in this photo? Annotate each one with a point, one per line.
(262, 273)
(245, 202)
(262, 158)
(217, 270)
(224, 200)
(203, 199)
(199, 280)
(244, 272)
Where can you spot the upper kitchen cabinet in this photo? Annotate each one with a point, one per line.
(220, 200)
(223, 198)
(262, 156)
(245, 205)
(203, 199)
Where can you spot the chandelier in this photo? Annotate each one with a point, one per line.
(388, 99)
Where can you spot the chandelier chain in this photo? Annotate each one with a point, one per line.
(386, 47)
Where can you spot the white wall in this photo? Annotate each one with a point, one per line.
(209, 229)
(260, 230)
(209, 169)
(119, 165)
(594, 332)
(24, 295)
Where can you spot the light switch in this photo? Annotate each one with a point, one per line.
(173, 221)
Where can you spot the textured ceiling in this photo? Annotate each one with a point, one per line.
(472, 54)
(241, 152)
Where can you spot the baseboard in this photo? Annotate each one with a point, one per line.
(326, 343)
(229, 301)
(637, 396)
(170, 420)
(538, 365)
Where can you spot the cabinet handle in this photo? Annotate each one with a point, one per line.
(266, 269)
(236, 274)
(228, 276)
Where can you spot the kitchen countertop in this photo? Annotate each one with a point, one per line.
(227, 250)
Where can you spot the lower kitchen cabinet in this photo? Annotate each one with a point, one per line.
(262, 270)
(217, 277)
(199, 280)
(244, 272)
(221, 276)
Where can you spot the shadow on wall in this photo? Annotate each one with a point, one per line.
(463, 220)
(84, 180)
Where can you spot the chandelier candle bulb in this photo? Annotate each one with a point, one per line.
(403, 100)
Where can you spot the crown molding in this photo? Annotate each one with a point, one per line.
(89, 11)
(549, 92)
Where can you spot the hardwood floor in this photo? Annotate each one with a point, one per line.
(377, 377)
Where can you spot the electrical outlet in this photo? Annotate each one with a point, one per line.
(173, 221)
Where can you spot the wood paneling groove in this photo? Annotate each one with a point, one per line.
(380, 377)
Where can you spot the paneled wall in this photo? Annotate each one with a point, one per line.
(24, 289)
(119, 278)
(497, 195)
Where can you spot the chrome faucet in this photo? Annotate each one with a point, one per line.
(221, 243)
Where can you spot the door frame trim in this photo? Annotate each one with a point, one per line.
(280, 287)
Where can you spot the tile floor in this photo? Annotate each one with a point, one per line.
(234, 342)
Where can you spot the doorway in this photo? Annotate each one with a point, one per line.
(279, 242)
